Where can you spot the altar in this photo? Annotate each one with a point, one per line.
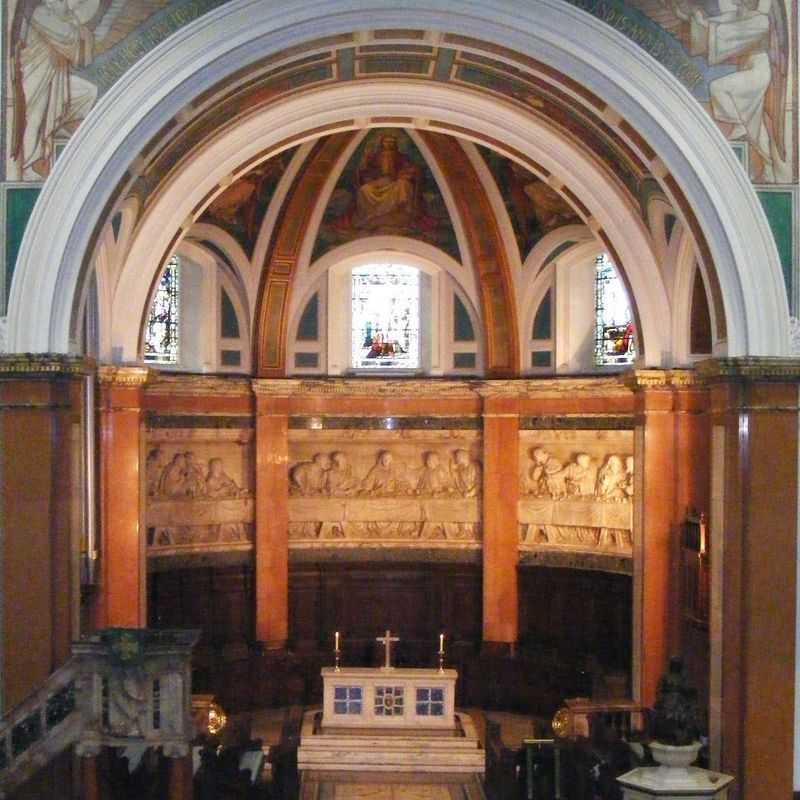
(395, 698)
(390, 720)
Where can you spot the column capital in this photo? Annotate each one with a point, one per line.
(124, 376)
(44, 365)
(642, 379)
(750, 368)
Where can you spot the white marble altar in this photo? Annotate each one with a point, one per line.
(389, 719)
(388, 698)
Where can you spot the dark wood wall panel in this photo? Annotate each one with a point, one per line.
(575, 614)
(418, 602)
(216, 600)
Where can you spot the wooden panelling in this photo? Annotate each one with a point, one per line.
(572, 614)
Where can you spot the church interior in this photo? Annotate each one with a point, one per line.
(453, 337)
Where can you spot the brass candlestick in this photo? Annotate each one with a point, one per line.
(441, 662)
(336, 654)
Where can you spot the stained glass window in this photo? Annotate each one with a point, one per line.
(385, 317)
(162, 334)
(615, 340)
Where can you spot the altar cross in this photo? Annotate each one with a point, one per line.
(386, 641)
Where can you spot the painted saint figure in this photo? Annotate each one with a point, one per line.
(750, 102)
(50, 40)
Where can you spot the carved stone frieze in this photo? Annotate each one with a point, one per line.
(198, 385)
(198, 495)
(576, 490)
(435, 474)
(381, 487)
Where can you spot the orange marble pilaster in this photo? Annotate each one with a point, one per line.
(655, 538)
(500, 519)
(90, 777)
(272, 518)
(754, 564)
(40, 446)
(122, 600)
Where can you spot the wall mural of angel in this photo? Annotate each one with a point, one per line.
(51, 41)
(745, 45)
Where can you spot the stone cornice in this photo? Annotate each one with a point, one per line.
(750, 368)
(198, 385)
(44, 365)
(123, 376)
(440, 388)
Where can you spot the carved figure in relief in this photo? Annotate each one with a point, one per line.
(466, 474)
(434, 479)
(154, 467)
(546, 476)
(128, 701)
(195, 477)
(173, 479)
(309, 477)
(612, 480)
(384, 478)
(218, 484)
(579, 477)
(339, 479)
(629, 477)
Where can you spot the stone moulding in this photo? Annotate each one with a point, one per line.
(45, 364)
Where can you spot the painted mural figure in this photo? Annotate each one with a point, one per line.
(466, 474)
(388, 187)
(51, 39)
(748, 103)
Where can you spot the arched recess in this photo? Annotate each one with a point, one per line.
(684, 139)
(385, 249)
(477, 117)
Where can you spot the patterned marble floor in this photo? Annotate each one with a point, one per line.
(423, 791)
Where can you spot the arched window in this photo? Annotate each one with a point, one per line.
(385, 317)
(162, 332)
(615, 341)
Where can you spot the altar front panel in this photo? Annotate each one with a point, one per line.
(388, 698)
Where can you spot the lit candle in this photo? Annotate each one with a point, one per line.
(441, 644)
(336, 641)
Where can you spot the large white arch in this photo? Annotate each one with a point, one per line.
(242, 31)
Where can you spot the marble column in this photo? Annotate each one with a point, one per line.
(272, 515)
(41, 503)
(753, 521)
(122, 601)
(656, 532)
(500, 520)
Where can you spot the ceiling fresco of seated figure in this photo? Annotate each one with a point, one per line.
(386, 188)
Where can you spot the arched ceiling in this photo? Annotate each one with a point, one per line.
(509, 193)
(209, 172)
